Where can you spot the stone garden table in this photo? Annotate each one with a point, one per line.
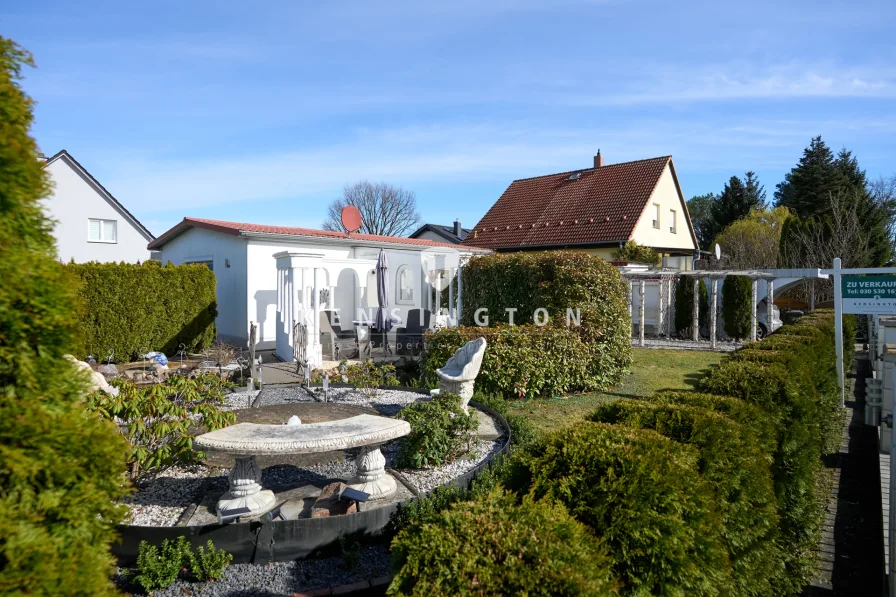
(245, 441)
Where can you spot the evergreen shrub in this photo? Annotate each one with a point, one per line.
(61, 467)
(494, 546)
(130, 308)
(643, 495)
(440, 431)
(684, 306)
(737, 306)
(738, 471)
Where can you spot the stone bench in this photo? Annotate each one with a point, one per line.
(458, 376)
(247, 440)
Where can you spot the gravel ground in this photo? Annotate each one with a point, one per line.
(239, 399)
(386, 402)
(428, 479)
(160, 501)
(283, 578)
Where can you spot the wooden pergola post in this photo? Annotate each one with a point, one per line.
(754, 283)
(770, 302)
(696, 313)
(641, 314)
(713, 314)
(811, 295)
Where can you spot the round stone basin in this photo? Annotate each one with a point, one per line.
(278, 414)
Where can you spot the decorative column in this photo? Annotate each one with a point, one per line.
(695, 322)
(315, 350)
(753, 319)
(371, 474)
(245, 489)
(641, 313)
(460, 290)
(450, 302)
(631, 299)
(713, 316)
(661, 317)
(811, 295)
(770, 299)
(288, 299)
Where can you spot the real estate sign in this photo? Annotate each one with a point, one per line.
(869, 294)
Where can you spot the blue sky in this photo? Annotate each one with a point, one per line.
(261, 112)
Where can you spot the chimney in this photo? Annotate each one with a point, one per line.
(457, 229)
(598, 160)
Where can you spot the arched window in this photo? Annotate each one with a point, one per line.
(404, 286)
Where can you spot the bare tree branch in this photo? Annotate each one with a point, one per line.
(385, 209)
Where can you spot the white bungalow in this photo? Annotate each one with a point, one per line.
(271, 274)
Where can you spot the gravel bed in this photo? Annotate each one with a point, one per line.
(160, 501)
(239, 399)
(429, 478)
(283, 578)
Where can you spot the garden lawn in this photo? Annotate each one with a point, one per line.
(652, 370)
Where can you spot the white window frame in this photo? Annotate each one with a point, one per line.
(404, 269)
(656, 213)
(101, 239)
(673, 227)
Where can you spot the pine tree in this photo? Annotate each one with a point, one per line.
(821, 178)
(736, 201)
(61, 468)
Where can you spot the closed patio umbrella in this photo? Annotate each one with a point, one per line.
(383, 320)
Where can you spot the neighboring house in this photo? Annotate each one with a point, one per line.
(442, 234)
(266, 274)
(596, 210)
(90, 224)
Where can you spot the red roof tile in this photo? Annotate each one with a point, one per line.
(601, 205)
(236, 228)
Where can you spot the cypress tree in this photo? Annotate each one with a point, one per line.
(736, 201)
(61, 468)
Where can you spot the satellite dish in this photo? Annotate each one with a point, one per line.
(718, 250)
(351, 218)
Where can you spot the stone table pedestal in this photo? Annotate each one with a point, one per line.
(245, 489)
(371, 476)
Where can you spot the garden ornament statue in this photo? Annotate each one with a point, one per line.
(458, 376)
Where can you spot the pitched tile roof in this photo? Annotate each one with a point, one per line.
(236, 228)
(600, 205)
(447, 232)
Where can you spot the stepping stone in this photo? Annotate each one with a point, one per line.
(487, 430)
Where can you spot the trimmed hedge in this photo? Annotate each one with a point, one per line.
(520, 360)
(493, 546)
(734, 464)
(563, 283)
(643, 494)
(791, 376)
(130, 308)
(737, 306)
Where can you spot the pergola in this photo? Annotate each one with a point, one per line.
(668, 277)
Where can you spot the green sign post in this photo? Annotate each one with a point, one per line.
(869, 294)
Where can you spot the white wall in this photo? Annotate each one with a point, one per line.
(199, 244)
(666, 195)
(73, 201)
(348, 268)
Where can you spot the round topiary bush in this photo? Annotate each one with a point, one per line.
(737, 469)
(643, 495)
(737, 305)
(494, 546)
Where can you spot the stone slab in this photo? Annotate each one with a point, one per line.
(488, 428)
(252, 439)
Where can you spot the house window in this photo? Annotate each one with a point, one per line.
(656, 215)
(209, 264)
(405, 285)
(672, 221)
(102, 231)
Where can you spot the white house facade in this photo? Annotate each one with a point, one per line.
(90, 224)
(271, 275)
